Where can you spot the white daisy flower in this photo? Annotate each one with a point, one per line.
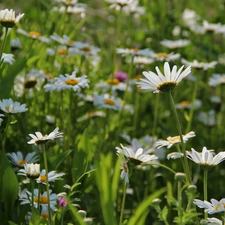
(200, 65)
(162, 83)
(38, 138)
(27, 196)
(52, 177)
(17, 158)
(174, 140)
(119, 4)
(8, 18)
(206, 159)
(136, 157)
(211, 27)
(67, 2)
(216, 79)
(211, 207)
(175, 155)
(65, 40)
(164, 56)
(208, 118)
(105, 101)
(32, 170)
(1, 115)
(175, 44)
(125, 171)
(7, 58)
(188, 104)
(15, 44)
(8, 106)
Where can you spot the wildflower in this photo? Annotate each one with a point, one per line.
(119, 4)
(15, 44)
(68, 82)
(188, 104)
(162, 83)
(27, 196)
(143, 60)
(52, 177)
(32, 170)
(208, 118)
(121, 76)
(175, 155)
(164, 56)
(133, 9)
(65, 40)
(190, 17)
(67, 2)
(17, 158)
(38, 138)
(214, 221)
(105, 101)
(1, 115)
(62, 202)
(8, 18)
(206, 159)
(8, 106)
(136, 157)
(7, 58)
(175, 44)
(173, 140)
(217, 79)
(91, 114)
(211, 207)
(211, 27)
(199, 65)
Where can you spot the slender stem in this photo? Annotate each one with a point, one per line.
(4, 135)
(39, 195)
(156, 107)
(205, 181)
(3, 45)
(179, 198)
(32, 197)
(123, 203)
(47, 185)
(186, 167)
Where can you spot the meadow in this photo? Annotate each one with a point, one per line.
(112, 112)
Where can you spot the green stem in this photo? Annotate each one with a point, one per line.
(123, 203)
(205, 181)
(3, 45)
(179, 198)
(4, 135)
(32, 197)
(39, 194)
(186, 167)
(47, 185)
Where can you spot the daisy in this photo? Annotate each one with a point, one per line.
(91, 114)
(124, 173)
(67, 82)
(8, 106)
(188, 104)
(7, 58)
(65, 40)
(190, 17)
(105, 101)
(211, 27)
(27, 196)
(119, 4)
(162, 83)
(8, 18)
(199, 65)
(207, 159)
(175, 44)
(211, 207)
(15, 44)
(174, 140)
(52, 176)
(1, 115)
(208, 118)
(175, 155)
(34, 35)
(136, 157)
(133, 9)
(38, 138)
(32, 170)
(216, 79)
(134, 51)
(143, 60)
(67, 2)
(164, 56)
(17, 158)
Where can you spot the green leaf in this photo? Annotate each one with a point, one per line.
(141, 212)
(6, 82)
(10, 188)
(11, 223)
(59, 158)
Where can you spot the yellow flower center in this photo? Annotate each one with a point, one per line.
(43, 200)
(113, 81)
(109, 102)
(162, 55)
(35, 34)
(50, 76)
(42, 178)
(44, 216)
(70, 42)
(138, 77)
(69, 1)
(7, 108)
(72, 82)
(218, 205)
(173, 139)
(134, 49)
(166, 86)
(62, 51)
(185, 103)
(21, 162)
(86, 49)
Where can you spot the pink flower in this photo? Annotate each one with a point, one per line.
(121, 76)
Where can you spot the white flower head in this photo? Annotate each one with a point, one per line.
(52, 177)
(124, 173)
(163, 83)
(8, 106)
(38, 138)
(214, 221)
(32, 170)
(8, 18)
(206, 159)
(175, 155)
(136, 157)
(211, 207)
(7, 58)
(174, 140)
